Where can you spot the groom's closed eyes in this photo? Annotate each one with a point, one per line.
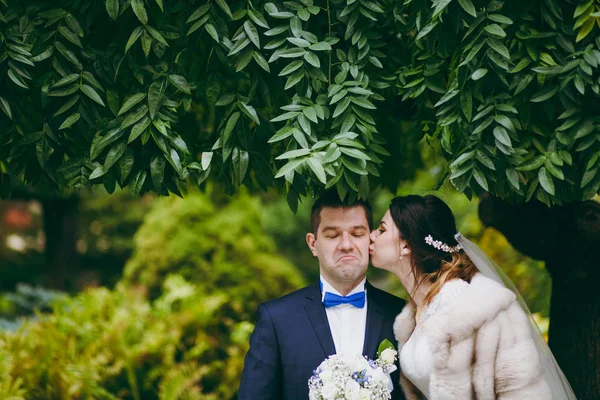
(332, 232)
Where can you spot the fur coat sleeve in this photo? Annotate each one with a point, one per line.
(482, 347)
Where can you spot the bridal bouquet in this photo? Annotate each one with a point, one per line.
(354, 377)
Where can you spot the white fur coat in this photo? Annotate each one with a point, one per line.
(482, 347)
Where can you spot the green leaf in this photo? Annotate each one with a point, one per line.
(173, 159)
(289, 167)
(138, 181)
(502, 136)
(258, 19)
(495, 30)
(294, 79)
(70, 36)
(130, 102)
(587, 177)
(311, 114)
(321, 46)
(200, 11)
(505, 122)
(156, 35)
(17, 79)
(532, 164)
(43, 55)
(135, 35)
(501, 19)
(585, 29)
(65, 81)
(281, 134)
(291, 67)
(91, 93)
(160, 4)
(480, 73)
(180, 83)
(157, 171)
(206, 159)
(261, 61)
(239, 46)
(285, 116)
(69, 121)
(224, 7)
(138, 128)
(312, 59)
(140, 10)
(545, 94)
(499, 47)
(155, 96)
(354, 153)
(226, 134)
(546, 181)
(112, 8)
(467, 5)
(5, 107)
(293, 154)
(481, 179)
(126, 163)
(114, 154)
(97, 173)
(318, 170)
(250, 112)
(464, 157)
(240, 161)
(197, 25)
(582, 8)
(299, 42)
(466, 102)
(341, 107)
(252, 33)
(362, 102)
(212, 32)
(134, 116)
(513, 178)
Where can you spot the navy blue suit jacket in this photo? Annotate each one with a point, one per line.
(292, 337)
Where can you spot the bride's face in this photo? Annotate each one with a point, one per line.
(386, 246)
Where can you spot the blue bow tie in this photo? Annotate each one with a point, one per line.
(332, 300)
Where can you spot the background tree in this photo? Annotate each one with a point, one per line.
(299, 95)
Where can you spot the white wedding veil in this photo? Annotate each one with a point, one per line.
(559, 386)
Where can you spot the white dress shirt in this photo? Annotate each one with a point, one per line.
(347, 323)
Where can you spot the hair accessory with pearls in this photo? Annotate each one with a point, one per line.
(441, 245)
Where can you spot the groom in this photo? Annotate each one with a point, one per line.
(341, 313)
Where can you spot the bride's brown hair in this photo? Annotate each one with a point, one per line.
(418, 217)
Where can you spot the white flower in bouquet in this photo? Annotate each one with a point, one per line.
(388, 356)
(354, 377)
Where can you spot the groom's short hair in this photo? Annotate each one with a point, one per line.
(331, 199)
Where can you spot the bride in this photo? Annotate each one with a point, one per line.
(464, 334)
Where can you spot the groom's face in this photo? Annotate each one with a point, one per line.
(341, 244)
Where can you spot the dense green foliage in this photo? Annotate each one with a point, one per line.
(101, 92)
(176, 326)
(214, 247)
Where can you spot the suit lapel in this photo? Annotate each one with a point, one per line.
(318, 319)
(374, 323)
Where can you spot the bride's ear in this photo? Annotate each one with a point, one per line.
(405, 250)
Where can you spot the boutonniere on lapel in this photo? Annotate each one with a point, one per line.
(354, 377)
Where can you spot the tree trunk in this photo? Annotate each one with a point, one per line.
(567, 239)
(60, 228)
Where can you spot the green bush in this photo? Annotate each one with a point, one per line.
(176, 326)
(217, 248)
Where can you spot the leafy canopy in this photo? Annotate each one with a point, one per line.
(292, 93)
